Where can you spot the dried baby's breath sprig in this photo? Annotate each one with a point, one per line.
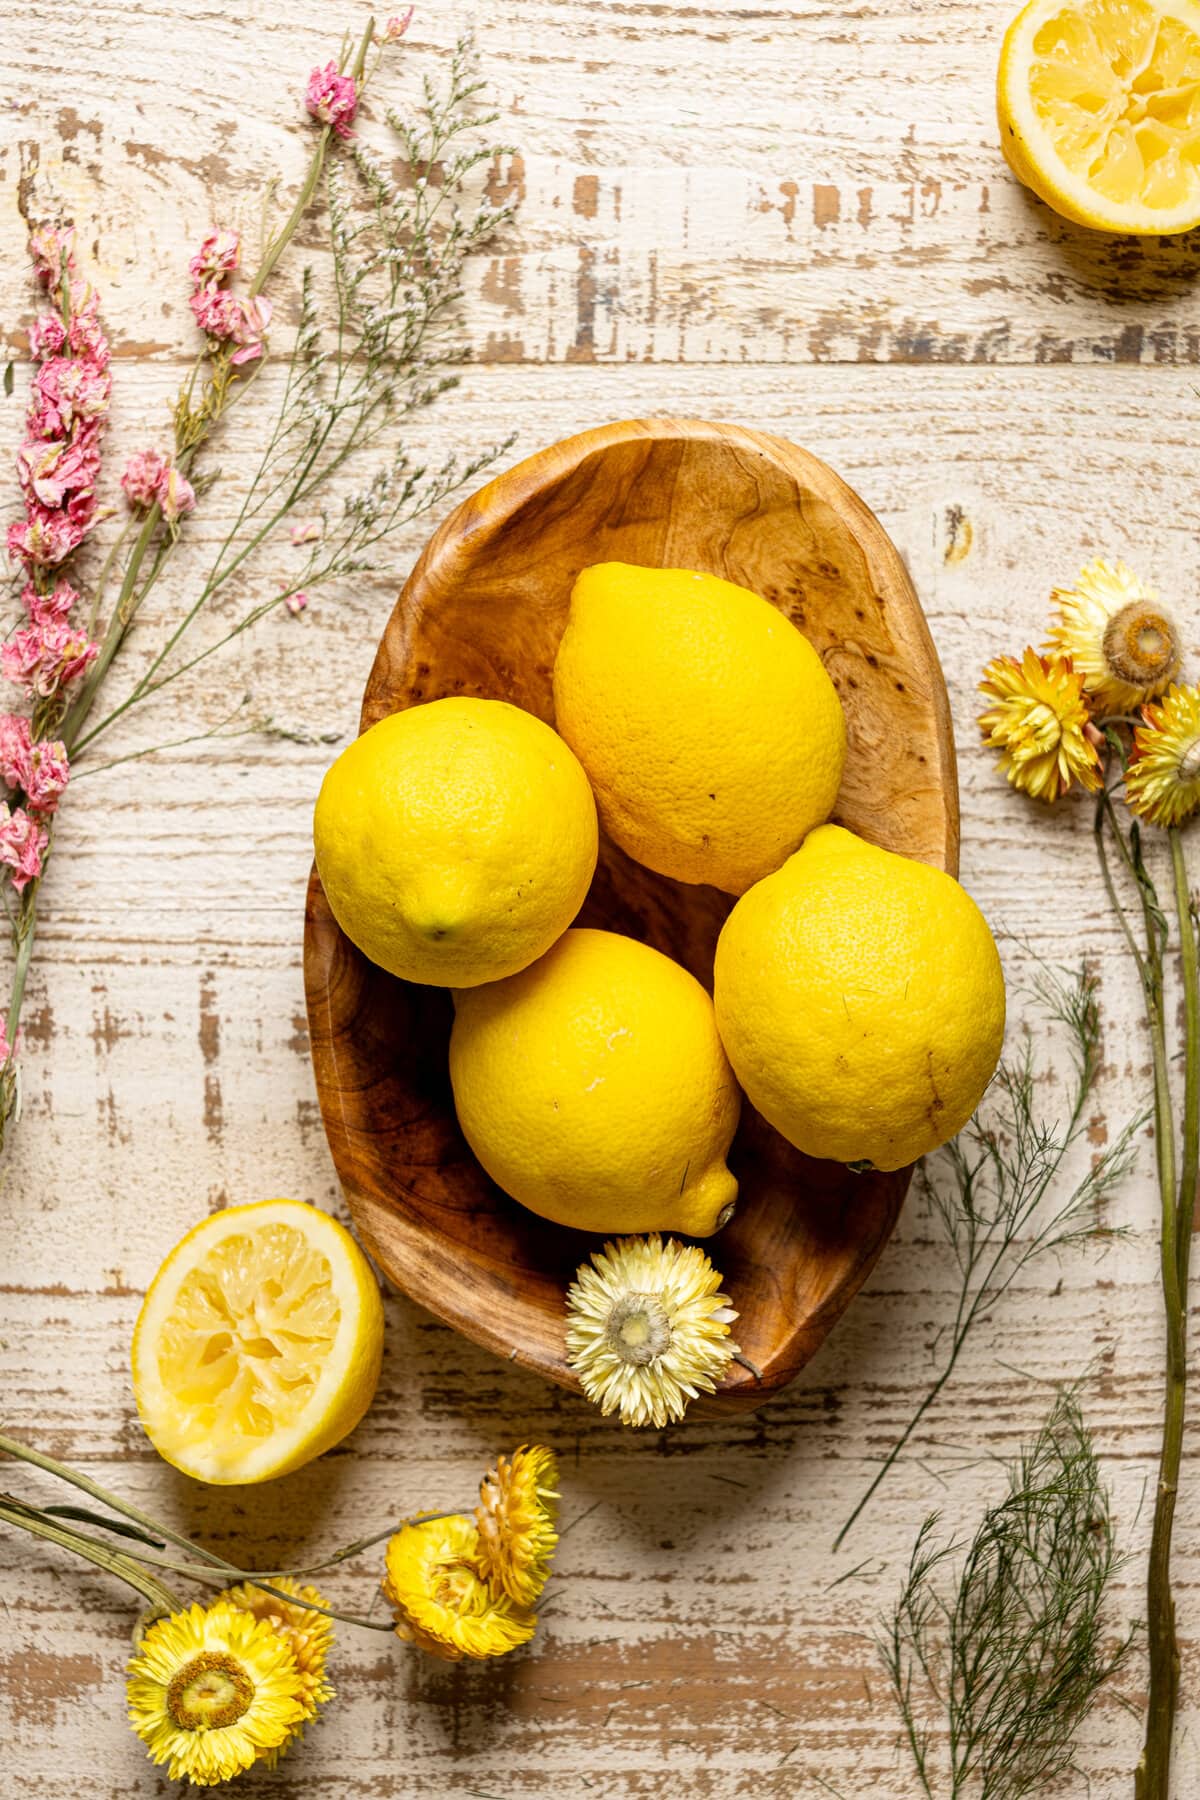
(1116, 635)
(441, 1597)
(1038, 721)
(1011, 1655)
(518, 1500)
(1162, 777)
(991, 1188)
(648, 1328)
(212, 1689)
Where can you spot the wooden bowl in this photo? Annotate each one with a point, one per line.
(482, 613)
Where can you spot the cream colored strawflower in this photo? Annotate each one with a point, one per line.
(515, 1520)
(1117, 636)
(442, 1599)
(1162, 782)
(1038, 720)
(648, 1328)
(211, 1690)
(308, 1634)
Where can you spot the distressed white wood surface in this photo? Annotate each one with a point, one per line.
(812, 193)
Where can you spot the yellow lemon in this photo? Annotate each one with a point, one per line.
(712, 735)
(593, 1089)
(1099, 104)
(455, 841)
(258, 1344)
(860, 999)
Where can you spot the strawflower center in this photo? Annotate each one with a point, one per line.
(1140, 645)
(210, 1691)
(638, 1328)
(457, 1587)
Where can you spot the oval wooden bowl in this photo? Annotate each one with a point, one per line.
(482, 613)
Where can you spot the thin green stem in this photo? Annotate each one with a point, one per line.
(1190, 1171)
(92, 1550)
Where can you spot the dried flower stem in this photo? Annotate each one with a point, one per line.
(988, 1186)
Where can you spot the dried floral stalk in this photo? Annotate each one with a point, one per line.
(991, 1188)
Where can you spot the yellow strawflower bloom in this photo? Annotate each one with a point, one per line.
(1162, 782)
(308, 1634)
(211, 1690)
(515, 1520)
(1116, 635)
(440, 1596)
(1038, 720)
(648, 1328)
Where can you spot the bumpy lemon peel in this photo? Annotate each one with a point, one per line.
(211, 1690)
(648, 1328)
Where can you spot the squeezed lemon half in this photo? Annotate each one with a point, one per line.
(259, 1343)
(1099, 104)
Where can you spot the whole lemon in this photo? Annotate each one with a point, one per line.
(455, 841)
(710, 731)
(860, 1000)
(593, 1088)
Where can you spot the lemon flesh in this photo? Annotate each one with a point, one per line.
(593, 1088)
(708, 727)
(860, 999)
(455, 841)
(259, 1343)
(1099, 107)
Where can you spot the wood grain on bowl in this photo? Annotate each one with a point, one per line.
(482, 614)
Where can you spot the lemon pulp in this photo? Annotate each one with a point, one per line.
(246, 1340)
(1099, 103)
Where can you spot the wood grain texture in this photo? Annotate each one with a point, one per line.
(482, 614)
(694, 1641)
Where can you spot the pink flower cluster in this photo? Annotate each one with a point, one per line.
(59, 462)
(150, 475)
(333, 98)
(221, 315)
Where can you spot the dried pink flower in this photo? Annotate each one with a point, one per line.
(52, 474)
(22, 844)
(217, 257)
(216, 312)
(14, 749)
(45, 538)
(295, 603)
(48, 774)
(396, 27)
(65, 389)
(307, 531)
(332, 98)
(47, 335)
(45, 657)
(250, 328)
(9, 1052)
(142, 476)
(85, 335)
(52, 251)
(51, 608)
(176, 495)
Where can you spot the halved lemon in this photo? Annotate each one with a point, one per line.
(1099, 104)
(258, 1344)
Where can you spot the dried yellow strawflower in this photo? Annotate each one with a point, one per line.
(648, 1328)
(440, 1596)
(1039, 722)
(211, 1690)
(308, 1634)
(1162, 782)
(515, 1520)
(1118, 638)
